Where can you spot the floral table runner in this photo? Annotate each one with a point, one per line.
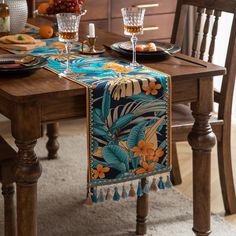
(128, 112)
(128, 115)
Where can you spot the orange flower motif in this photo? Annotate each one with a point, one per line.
(152, 88)
(146, 168)
(159, 153)
(149, 157)
(93, 86)
(143, 149)
(58, 45)
(116, 67)
(150, 154)
(100, 171)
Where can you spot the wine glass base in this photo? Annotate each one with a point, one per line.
(66, 73)
(134, 65)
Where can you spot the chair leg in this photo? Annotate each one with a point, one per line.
(52, 144)
(9, 209)
(175, 173)
(142, 212)
(226, 173)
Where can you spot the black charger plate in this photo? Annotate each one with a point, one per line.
(14, 68)
(123, 48)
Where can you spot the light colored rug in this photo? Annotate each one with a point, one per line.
(62, 189)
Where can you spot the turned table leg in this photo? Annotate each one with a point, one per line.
(52, 144)
(142, 212)
(27, 173)
(9, 209)
(202, 140)
(25, 126)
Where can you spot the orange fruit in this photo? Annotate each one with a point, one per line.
(46, 31)
(42, 8)
(51, 2)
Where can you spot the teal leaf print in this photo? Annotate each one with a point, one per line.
(161, 125)
(123, 137)
(95, 145)
(106, 101)
(101, 131)
(134, 161)
(163, 82)
(136, 134)
(124, 120)
(97, 114)
(142, 97)
(114, 142)
(116, 157)
(160, 114)
(163, 145)
(121, 175)
(119, 166)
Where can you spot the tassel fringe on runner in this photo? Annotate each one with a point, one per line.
(155, 186)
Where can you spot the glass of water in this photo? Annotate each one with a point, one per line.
(133, 18)
(68, 27)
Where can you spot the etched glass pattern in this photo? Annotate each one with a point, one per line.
(133, 18)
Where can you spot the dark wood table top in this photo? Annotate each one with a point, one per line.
(44, 83)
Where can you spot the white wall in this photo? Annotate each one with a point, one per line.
(221, 50)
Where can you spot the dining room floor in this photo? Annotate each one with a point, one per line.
(70, 127)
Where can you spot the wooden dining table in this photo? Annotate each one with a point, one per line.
(42, 97)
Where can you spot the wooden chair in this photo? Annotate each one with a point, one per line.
(7, 159)
(221, 124)
(31, 7)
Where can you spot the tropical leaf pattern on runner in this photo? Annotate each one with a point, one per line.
(128, 114)
(129, 121)
(128, 118)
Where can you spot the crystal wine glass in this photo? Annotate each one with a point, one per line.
(68, 27)
(133, 18)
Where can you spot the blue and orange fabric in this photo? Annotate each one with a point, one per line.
(128, 114)
(128, 117)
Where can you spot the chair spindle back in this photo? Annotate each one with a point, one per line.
(211, 10)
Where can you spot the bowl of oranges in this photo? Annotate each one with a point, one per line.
(48, 10)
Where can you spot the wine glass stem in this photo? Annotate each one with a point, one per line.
(68, 47)
(134, 40)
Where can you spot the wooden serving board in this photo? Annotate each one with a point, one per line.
(23, 47)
